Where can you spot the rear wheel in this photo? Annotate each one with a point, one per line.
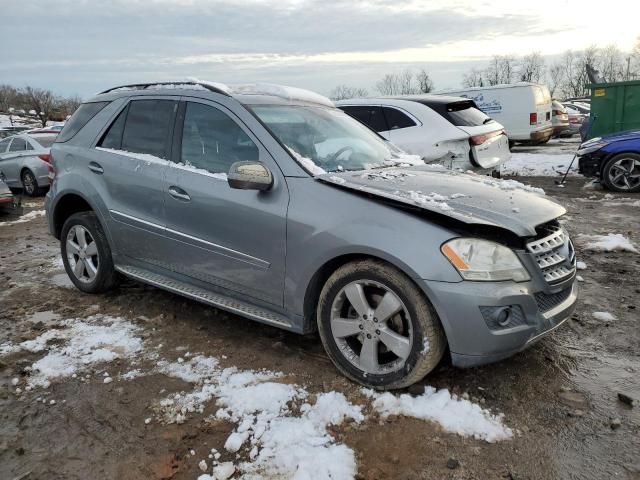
(377, 327)
(621, 173)
(30, 184)
(86, 254)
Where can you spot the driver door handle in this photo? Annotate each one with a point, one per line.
(178, 193)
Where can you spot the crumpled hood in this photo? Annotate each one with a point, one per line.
(470, 198)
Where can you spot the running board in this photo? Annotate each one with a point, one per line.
(200, 294)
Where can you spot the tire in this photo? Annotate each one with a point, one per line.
(621, 173)
(90, 268)
(416, 322)
(30, 184)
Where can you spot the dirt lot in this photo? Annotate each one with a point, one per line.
(560, 397)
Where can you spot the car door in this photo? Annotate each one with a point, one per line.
(231, 239)
(128, 168)
(4, 146)
(11, 161)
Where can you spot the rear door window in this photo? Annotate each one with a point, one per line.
(148, 127)
(465, 114)
(79, 119)
(397, 119)
(371, 115)
(18, 145)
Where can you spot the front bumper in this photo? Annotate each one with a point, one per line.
(590, 164)
(462, 309)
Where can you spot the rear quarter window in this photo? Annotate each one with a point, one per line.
(79, 119)
(397, 119)
(465, 114)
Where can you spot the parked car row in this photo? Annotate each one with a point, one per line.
(25, 161)
(392, 261)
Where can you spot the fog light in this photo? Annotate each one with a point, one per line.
(502, 316)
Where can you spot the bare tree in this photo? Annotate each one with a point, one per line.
(343, 92)
(474, 78)
(8, 97)
(43, 102)
(398, 84)
(555, 78)
(612, 65)
(425, 84)
(492, 72)
(532, 68)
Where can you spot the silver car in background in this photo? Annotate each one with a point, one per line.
(24, 162)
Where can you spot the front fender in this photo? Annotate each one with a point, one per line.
(348, 224)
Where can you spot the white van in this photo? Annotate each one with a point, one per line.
(523, 108)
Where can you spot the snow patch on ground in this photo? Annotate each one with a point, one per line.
(608, 243)
(27, 217)
(581, 265)
(604, 316)
(281, 443)
(78, 343)
(454, 414)
(539, 165)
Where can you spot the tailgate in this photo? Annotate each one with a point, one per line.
(494, 151)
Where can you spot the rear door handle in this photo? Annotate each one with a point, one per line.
(96, 168)
(178, 193)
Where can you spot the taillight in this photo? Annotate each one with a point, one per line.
(50, 166)
(480, 139)
(45, 157)
(533, 118)
(558, 112)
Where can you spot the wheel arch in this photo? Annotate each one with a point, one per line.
(67, 205)
(322, 274)
(610, 155)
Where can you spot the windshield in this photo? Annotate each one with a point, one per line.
(329, 140)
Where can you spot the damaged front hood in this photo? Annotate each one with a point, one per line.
(469, 198)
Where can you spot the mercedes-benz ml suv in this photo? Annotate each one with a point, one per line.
(271, 203)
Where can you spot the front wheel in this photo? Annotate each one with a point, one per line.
(86, 254)
(621, 173)
(377, 326)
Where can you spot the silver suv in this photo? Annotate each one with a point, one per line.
(271, 203)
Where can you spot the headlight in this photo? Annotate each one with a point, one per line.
(482, 260)
(591, 146)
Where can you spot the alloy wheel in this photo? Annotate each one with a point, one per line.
(624, 174)
(82, 254)
(371, 327)
(29, 183)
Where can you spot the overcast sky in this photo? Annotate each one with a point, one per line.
(83, 46)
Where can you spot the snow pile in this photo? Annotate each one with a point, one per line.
(27, 217)
(145, 157)
(280, 443)
(581, 265)
(78, 343)
(385, 175)
(538, 165)
(608, 243)
(430, 200)
(307, 163)
(454, 414)
(604, 316)
(338, 180)
(404, 159)
(282, 91)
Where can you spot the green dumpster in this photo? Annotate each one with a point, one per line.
(615, 107)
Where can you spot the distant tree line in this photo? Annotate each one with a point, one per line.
(403, 83)
(43, 104)
(566, 77)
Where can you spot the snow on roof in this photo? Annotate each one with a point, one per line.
(282, 91)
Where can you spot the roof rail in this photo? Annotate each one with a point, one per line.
(143, 86)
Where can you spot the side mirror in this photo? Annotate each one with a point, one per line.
(250, 176)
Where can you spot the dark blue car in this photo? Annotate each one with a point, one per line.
(615, 159)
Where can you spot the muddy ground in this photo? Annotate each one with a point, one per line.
(560, 396)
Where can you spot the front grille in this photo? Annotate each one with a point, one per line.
(554, 252)
(547, 301)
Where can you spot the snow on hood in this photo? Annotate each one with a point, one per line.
(470, 198)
